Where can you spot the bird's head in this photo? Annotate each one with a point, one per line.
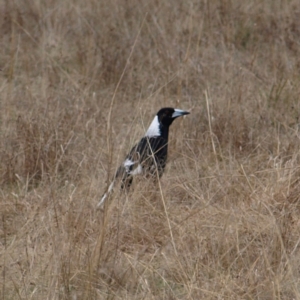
(163, 119)
(167, 115)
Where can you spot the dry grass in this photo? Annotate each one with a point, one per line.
(80, 81)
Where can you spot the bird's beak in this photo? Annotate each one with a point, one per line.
(178, 113)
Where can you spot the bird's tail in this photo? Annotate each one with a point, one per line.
(105, 196)
(126, 180)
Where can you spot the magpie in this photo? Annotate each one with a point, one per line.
(149, 156)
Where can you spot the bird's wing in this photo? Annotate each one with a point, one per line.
(147, 156)
(139, 156)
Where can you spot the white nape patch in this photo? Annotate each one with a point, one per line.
(153, 129)
(138, 170)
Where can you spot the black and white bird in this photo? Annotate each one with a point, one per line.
(149, 156)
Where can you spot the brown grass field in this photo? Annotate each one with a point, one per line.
(80, 81)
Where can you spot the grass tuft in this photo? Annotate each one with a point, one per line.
(80, 82)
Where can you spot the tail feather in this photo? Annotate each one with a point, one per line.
(104, 197)
(124, 173)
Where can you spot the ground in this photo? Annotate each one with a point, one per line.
(80, 81)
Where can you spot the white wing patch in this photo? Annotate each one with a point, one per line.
(135, 171)
(138, 170)
(153, 129)
(127, 164)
